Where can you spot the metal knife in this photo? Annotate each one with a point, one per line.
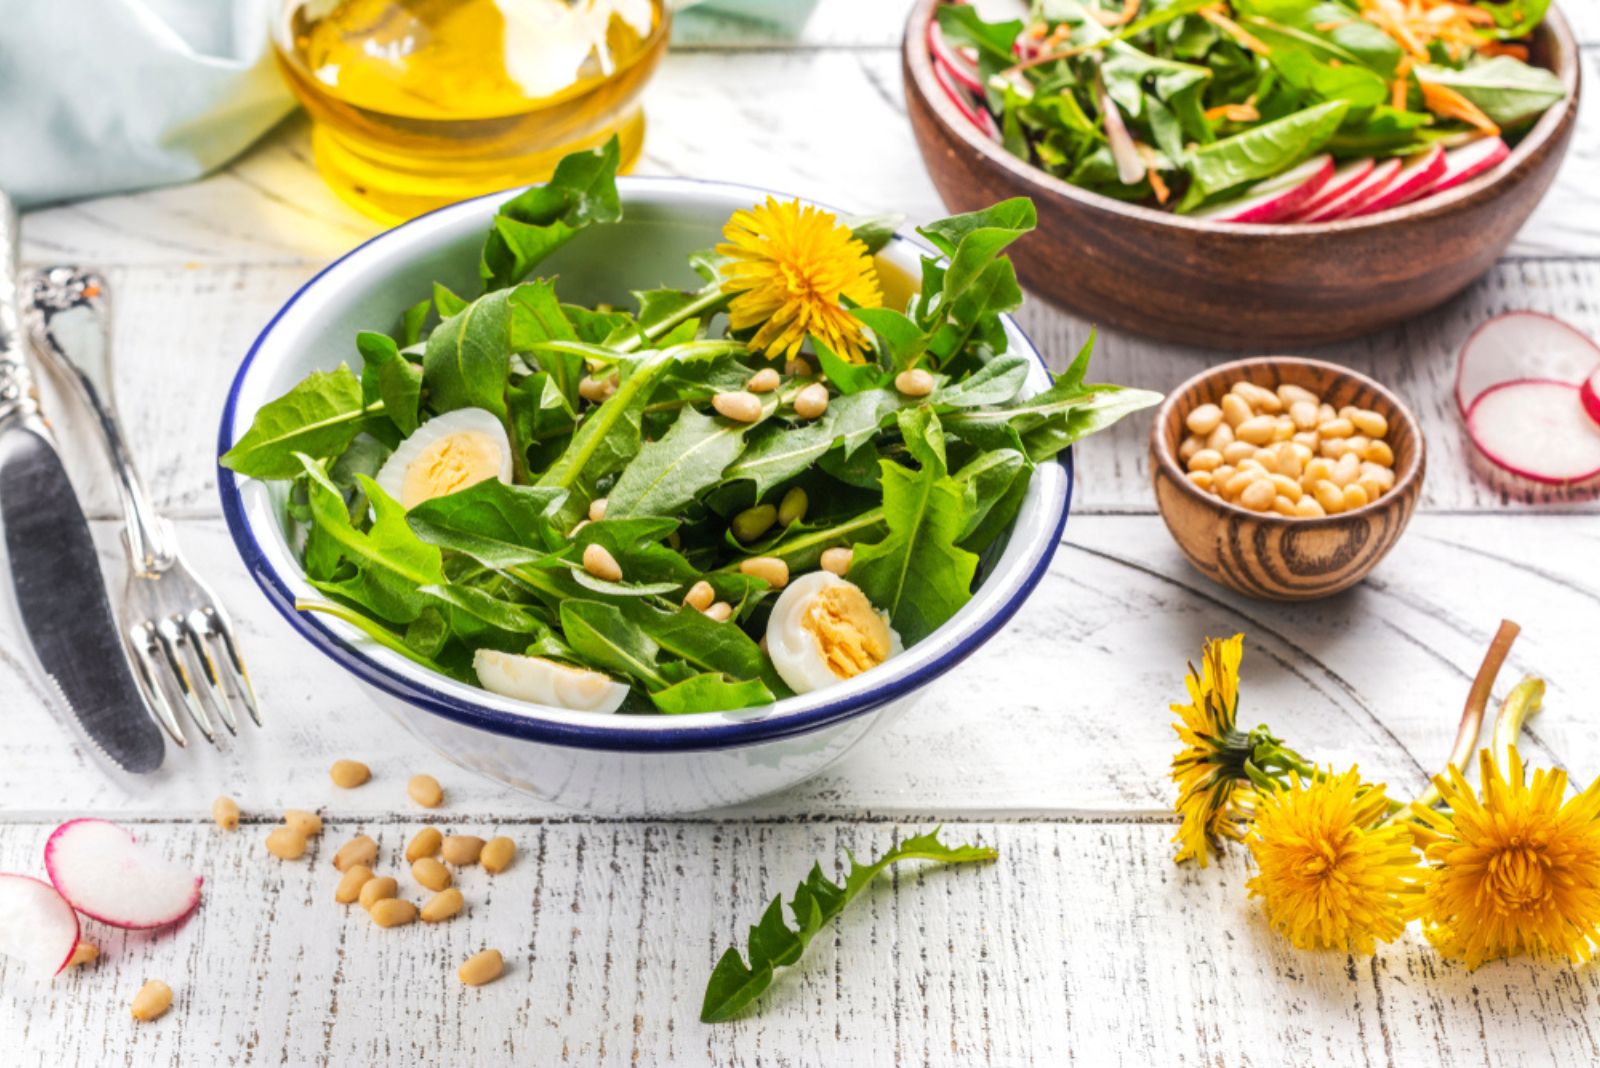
(60, 593)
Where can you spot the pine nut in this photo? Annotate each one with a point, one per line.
(1372, 424)
(1286, 487)
(797, 367)
(915, 382)
(763, 381)
(430, 873)
(1347, 470)
(811, 401)
(1239, 450)
(1380, 474)
(309, 824)
(425, 843)
(480, 968)
(597, 509)
(598, 561)
(1257, 430)
(1220, 476)
(1336, 428)
(359, 850)
(83, 953)
(377, 889)
(740, 405)
(1188, 447)
(1317, 470)
(392, 912)
(348, 774)
(462, 849)
(1205, 460)
(497, 854)
(1284, 506)
(1290, 461)
(1330, 496)
(425, 791)
(1220, 438)
(1258, 397)
(700, 596)
(1268, 459)
(350, 884)
(1283, 428)
(286, 843)
(1358, 444)
(1258, 495)
(769, 569)
(792, 508)
(1203, 419)
(1201, 479)
(597, 390)
(1308, 508)
(1354, 497)
(751, 523)
(1380, 453)
(1235, 410)
(720, 612)
(1292, 394)
(837, 560)
(152, 1000)
(1304, 414)
(442, 906)
(225, 813)
(1241, 481)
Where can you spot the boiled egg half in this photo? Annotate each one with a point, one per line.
(545, 682)
(447, 453)
(823, 630)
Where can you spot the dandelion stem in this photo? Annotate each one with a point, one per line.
(1520, 705)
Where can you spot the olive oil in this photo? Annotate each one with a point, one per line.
(419, 103)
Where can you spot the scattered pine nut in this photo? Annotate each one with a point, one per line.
(740, 405)
(286, 843)
(720, 612)
(497, 854)
(915, 382)
(812, 401)
(348, 774)
(429, 873)
(598, 561)
(597, 390)
(225, 813)
(837, 560)
(350, 884)
(442, 906)
(152, 1000)
(392, 912)
(763, 381)
(425, 791)
(700, 596)
(797, 367)
(597, 509)
(359, 850)
(83, 953)
(482, 967)
(769, 569)
(462, 849)
(424, 844)
(377, 889)
(792, 508)
(309, 824)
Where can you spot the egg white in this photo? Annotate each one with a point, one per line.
(545, 682)
(392, 475)
(794, 649)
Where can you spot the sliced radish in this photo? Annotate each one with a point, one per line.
(952, 61)
(37, 926)
(107, 876)
(1537, 430)
(1522, 345)
(1589, 393)
(1276, 198)
(1414, 177)
(1344, 178)
(1355, 198)
(1130, 165)
(975, 113)
(1467, 162)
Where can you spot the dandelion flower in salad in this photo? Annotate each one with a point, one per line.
(607, 506)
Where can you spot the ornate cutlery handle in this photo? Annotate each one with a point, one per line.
(17, 395)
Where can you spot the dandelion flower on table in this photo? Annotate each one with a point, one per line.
(790, 269)
(1514, 869)
(1208, 768)
(1330, 877)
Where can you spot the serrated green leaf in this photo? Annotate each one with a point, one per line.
(711, 692)
(996, 382)
(318, 417)
(691, 457)
(389, 377)
(606, 639)
(468, 357)
(500, 525)
(530, 226)
(699, 640)
(779, 453)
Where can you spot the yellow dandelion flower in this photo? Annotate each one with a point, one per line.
(1515, 870)
(1208, 768)
(1329, 876)
(791, 267)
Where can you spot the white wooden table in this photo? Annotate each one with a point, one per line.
(1084, 943)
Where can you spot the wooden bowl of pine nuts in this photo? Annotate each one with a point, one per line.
(1284, 478)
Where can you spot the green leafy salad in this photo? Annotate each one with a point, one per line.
(685, 501)
(1206, 106)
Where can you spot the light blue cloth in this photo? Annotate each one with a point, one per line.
(109, 96)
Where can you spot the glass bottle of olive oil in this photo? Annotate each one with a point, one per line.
(419, 103)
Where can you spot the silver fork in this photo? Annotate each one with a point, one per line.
(179, 639)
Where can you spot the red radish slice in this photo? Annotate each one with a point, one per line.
(974, 113)
(1344, 178)
(1521, 345)
(1537, 430)
(37, 926)
(1589, 393)
(1356, 197)
(1414, 177)
(1467, 162)
(107, 876)
(957, 67)
(1277, 198)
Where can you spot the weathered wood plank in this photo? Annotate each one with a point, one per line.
(1083, 944)
(1064, 711)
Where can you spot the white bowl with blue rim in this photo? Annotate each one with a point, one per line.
(618, 764)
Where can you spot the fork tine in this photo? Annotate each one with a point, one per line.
(143, 644)
(171, 631)
(218, 632)
(200, 655)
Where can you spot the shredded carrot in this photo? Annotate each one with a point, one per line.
(1449, 104)
(1504, 48)
(1222, 22)
(1331, 24)
(1400, 89)
(1233, 112)
(1130, 8)
(1158, 186)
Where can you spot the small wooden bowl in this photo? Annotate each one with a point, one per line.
(1267, 555)
(1242, 286)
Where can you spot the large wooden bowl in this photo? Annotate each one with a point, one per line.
(1267, 555)
(1241, 286)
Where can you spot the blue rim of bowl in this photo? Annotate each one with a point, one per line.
(599, 737)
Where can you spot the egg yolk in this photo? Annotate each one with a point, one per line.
(450, 464)
(850, 635)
